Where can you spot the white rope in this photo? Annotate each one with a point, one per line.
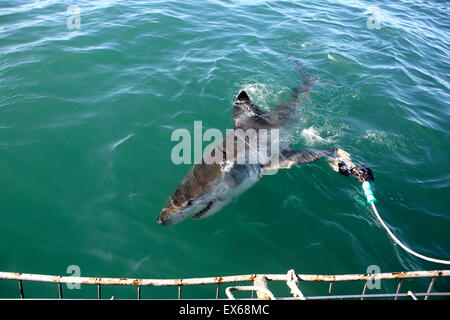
(292, 283)
(269, 295)
(401, 244)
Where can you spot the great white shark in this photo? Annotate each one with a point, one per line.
(208, 187)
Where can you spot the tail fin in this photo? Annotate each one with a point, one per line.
(307, 84)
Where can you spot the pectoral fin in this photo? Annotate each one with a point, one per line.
(337, 158)
(289, 157)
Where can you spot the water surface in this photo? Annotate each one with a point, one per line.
(86, 117)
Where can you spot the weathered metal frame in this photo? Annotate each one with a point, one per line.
(139, 283)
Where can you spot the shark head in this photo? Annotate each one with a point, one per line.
(193, 196)
(173, 213)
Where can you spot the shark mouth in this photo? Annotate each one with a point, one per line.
(203, 211)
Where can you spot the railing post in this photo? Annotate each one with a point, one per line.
(60, 290)
(330, 288)
(398, 288)
(364, 290)
(99, 291)
(430, 287)
(21, 289)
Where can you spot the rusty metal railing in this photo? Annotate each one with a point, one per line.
(288, 278)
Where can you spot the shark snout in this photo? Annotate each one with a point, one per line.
(164, 218)
(161, 221)
(171, 216)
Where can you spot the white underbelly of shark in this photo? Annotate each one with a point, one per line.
(235, 181)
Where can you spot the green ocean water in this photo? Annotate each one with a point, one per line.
(86, 117)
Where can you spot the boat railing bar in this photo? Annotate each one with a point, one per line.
(216, 280)
(139, 283)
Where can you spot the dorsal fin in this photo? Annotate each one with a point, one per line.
(243, 97)
(244, 111)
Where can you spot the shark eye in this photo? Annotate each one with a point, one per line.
(190, 202)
